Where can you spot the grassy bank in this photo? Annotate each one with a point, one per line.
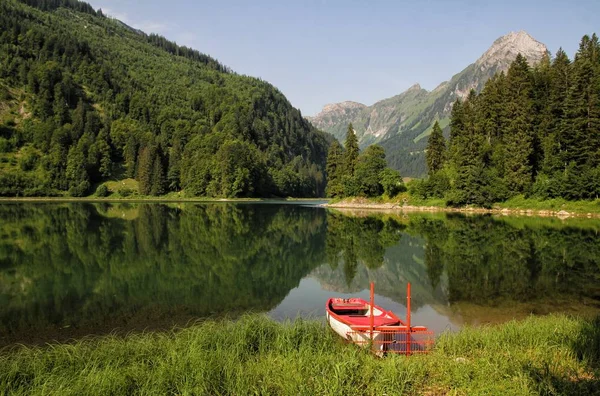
(515, 204)
(549, 355)
(520, 202)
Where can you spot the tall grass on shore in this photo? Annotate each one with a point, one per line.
(255, 355)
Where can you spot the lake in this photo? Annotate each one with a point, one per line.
(68, 270)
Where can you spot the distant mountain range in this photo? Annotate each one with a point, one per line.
(402, 123)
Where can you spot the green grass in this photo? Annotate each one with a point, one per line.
(401, 199)
(520, 202)
(515, 203)
(255, 355)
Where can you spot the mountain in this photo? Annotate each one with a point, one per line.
(401, 124)
(86, 99)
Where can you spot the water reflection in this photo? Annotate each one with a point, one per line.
(72, 269)
(469, 269)
(67, 270)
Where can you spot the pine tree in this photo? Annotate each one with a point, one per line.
(554, 143)
(145, 169)
(130, 154)
(78, 120)
(518, 136)
(457, 126)
(104, 152)
(351, 154)
(582, 132)
(158, 176)
(467, 143)
(76, 172)
(60, 106)
(436, 150)
(334, 169)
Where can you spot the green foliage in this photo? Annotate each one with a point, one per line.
(531, 131)
(141, 121)
(351, 151)
(29, 159)
(335, 170)
(368, 170)
(436, 150)
(125, 192)
(102, 191)
(351, 186)
(392, 183)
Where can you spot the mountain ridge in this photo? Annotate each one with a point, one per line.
(402, 122)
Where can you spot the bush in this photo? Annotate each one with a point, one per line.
(125, 192)
(4, 94)
(28, 160)
(5, 146)
(102, 191)
(391, 182)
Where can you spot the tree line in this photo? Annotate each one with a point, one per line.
(533, 131)
(350, 173)
(111, 102)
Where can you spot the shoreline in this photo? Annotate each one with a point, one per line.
(363, 204)
(151, 200)
(346, 204)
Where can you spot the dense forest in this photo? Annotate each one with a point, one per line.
(533, 131)
(85, 98)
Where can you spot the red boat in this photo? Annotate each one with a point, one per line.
(367, 324)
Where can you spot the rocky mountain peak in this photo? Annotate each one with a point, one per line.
(342, 106)
(333, 113)
(414, 87)
(505, 49)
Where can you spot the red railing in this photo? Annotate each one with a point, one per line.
(404, 340)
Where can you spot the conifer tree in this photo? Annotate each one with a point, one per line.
(456, 129)
(436, 150)
(158, 176)
(555, 144)
(351, 154)
(76, 172)
(145, 169)
(335, 169)
(518, 136)
(467, 142)
(104, 151)
(582, 132)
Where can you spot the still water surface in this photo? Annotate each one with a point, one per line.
(68, 270)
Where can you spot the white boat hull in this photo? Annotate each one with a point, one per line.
(361, 338)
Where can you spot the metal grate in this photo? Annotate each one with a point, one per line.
(417, 340)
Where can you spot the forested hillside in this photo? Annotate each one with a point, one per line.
(84, 99)
(532, 131)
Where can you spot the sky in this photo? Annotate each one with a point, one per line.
(324, 51)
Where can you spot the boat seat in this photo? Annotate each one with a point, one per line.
(348, 306)
(361, 320)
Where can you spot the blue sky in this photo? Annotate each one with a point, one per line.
(325, 51)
